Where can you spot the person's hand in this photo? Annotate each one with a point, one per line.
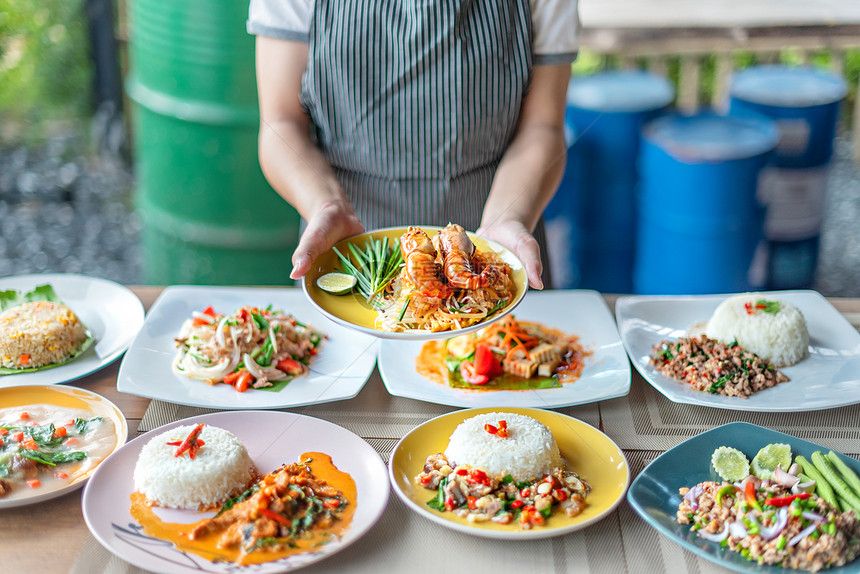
(331, 223)
(516, 237)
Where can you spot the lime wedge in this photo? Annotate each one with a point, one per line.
(730, 463)
(336, 283)
(764, 463)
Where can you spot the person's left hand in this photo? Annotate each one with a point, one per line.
(516, 237)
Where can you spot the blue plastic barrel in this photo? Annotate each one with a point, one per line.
(590, 221)
(699, 220)
(804, 103)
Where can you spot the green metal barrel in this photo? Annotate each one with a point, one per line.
(209, 215)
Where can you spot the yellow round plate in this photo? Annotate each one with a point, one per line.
(353, 311)
(585, 450)
(69, 397)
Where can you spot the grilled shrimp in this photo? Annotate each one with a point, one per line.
(420, 257)
(457, 251)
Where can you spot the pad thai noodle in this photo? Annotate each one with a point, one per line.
(445, 283)
(253, 347)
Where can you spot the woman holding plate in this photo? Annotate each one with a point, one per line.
(414, 112)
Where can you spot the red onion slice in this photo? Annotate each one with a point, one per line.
(692, 497)
(802, 534)
(814, 516)
(771, 532)
(717, 536)
(737, 530)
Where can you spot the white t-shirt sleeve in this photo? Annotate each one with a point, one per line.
(281, 19)
(556, 31)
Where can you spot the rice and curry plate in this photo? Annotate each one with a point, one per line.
(292, 510)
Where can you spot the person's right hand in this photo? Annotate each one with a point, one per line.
(332, 222)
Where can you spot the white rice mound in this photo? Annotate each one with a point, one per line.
(47, 332)
(220, 470)
(529, 451)
(781, 338)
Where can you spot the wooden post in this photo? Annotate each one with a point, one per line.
(688, 83)
(837, 60)
(722, 74)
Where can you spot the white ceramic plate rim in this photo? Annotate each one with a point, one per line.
(349, 452)
(114, 316)
(339, 372)
(834, 343)
(123, 436)
(587, 316)
(534, 534)
(507, 255)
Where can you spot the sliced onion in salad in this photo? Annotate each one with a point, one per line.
(692, 496)
(771, 532)
(737, 530)
(802, 534)
(715, 536)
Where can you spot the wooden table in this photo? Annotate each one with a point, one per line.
(47, 537)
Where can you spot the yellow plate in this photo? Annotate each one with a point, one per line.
(69, 397)
(353, 311)
(585, 450)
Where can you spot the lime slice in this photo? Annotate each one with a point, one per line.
(336, 283)
(730, 463)
(764, 463)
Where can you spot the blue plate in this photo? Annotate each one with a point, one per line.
(654, 493)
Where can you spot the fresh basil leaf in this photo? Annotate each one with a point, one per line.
(438, 501)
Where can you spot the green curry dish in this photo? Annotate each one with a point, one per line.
(47, 446)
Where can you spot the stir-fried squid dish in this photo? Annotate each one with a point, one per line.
(445, 283)
(252, 348)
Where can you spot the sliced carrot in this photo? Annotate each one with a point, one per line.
(34, 483)
(24, 360)
(25, 416)
(61, 431)
(61, 475)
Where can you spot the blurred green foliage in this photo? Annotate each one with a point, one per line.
(590, 62)
(45, 66)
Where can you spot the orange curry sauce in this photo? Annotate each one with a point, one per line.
(206, 546)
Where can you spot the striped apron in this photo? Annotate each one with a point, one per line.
(414, 102)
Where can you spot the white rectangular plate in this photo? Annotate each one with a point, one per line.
(339, 371)
(583, 313)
